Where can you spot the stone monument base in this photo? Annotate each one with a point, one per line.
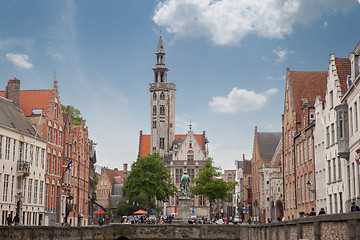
(183, 214)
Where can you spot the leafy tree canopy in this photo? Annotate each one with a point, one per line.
(208, 185)
(75, 113)
(149, 177)
(126, 207)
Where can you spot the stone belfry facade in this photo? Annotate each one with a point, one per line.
(162, 106)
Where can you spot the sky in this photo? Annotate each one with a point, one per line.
(228, 59)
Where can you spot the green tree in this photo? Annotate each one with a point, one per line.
(75, 113)
(96, 180)
(207, 184)
(126, 207)
(150, 177)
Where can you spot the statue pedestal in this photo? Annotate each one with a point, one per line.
(183, 214)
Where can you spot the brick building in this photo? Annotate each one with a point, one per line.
(109, 187)
(298, 126)
(264, 147)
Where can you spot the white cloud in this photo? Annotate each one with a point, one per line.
(277, 78)
(240, 100)
(20, 60)
(229, 21)
(326, 24)
(272, 91)
(281, 54)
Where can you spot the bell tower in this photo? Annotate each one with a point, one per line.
(162, 102)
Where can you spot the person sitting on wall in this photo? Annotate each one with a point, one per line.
(354, 207)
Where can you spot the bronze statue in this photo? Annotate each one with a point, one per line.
(184, 185)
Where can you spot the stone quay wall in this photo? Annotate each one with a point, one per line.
(336, 226)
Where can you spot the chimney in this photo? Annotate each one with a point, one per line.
(125, 167)
(12, 91)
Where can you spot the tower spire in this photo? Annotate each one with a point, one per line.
(160, 49)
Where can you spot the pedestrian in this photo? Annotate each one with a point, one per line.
(9, 220)
(354, 207)
(312, 213)
(16, 219)
(322, 211)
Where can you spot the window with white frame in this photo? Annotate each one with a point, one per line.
(53, 164)
(356, 117)
(42, 158)
(7, 148)
(12, 188)
(36, 182)
(37, 156)
(30, 190)
(6, 187)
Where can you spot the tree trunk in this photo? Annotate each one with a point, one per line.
(210, 212)
(149, 204)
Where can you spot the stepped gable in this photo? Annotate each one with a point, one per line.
(343, 68)
(145, 142)
(307, 85)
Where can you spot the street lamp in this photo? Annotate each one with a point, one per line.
(310, 186)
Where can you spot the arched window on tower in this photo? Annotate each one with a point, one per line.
(161, 76)
(162, 110)
(154, 110)
(154, 96)
(162, 96)
(162, 59)
(158, 59)
(190, 155)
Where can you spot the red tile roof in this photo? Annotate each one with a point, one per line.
(343, 69)
(307, 85)
(145, 142)
(30, 99)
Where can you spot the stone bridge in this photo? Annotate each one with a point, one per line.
(336, 226)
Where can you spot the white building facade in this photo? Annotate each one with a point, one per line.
(22, 176)
(319, 154)
(348, 119)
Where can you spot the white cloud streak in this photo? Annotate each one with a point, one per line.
(241, 100)
(20, 60)
(229, 21)
(281, 54)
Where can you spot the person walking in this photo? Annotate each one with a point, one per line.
(354, 207)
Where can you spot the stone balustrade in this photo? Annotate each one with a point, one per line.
(336, 226)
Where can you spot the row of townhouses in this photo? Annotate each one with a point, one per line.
(314, 162)
(47, 163)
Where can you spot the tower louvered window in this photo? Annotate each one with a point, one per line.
(154, 96)
(154, 110)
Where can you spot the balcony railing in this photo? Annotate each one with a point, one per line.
(23, 167)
